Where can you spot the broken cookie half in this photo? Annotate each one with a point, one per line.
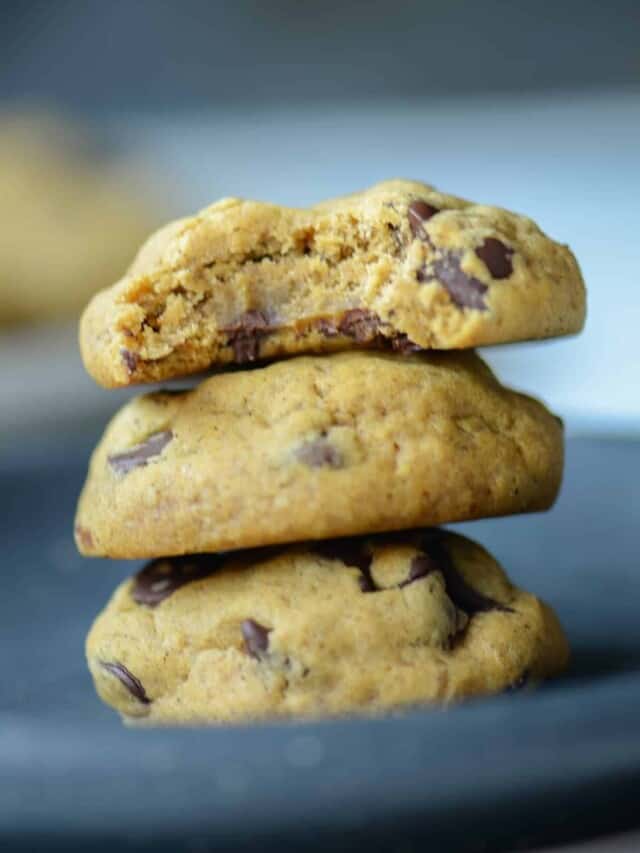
(399, 265)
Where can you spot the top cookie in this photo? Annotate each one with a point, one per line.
(400, 264)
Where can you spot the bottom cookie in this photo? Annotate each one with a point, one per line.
(366, 624)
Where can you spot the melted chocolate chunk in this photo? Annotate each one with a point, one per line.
(256, 638)
(244, 337)
(161, 578)
(465, 597)
(130, 360)
(496, 257)
(465, 290)
(133, 684)
(365, 327)
(421, 566)
(327, 328)
(319, 453)
(404, 345)
(360, 324)
(419, 212)
(434, 558)
(397, 236)
(351, 552)
(366, 581)
(140, 454)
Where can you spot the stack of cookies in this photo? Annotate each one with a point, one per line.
(288, 501)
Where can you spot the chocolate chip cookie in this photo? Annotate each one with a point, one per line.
(400, 265)
(317, 447)
(355, 625)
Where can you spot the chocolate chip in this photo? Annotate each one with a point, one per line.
(245, 335)
(351, 552)
(397, 236)
(419, 212)
(464, 290)
(161, 578)
(365, 326)
(366, 581)
(130, 360)
(403, 344)
(319, 453)
(465, 597)
(421, 566)
(256, 638)
(133, 684)
(360, 324)
(327, 328)
(433, 557)
(496, 257)
(84, 536)
(140, 454)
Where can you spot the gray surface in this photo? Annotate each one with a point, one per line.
(514, 770)
(628, 842)
(148, 54)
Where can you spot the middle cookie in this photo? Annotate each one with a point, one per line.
(313, 448)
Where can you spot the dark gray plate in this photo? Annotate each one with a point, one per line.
(510, 771)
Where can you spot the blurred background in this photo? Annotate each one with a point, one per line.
(115, 117)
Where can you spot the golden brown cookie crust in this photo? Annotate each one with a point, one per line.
(399, 265)
(365, 625)
(317, 447)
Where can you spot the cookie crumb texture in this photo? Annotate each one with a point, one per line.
(296, 632)
(400, 265)
(316, 447)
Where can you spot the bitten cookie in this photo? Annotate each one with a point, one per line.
(399, 265)
(316, 447)
(341, 626)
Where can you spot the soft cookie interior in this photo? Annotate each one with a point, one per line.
(400, 265)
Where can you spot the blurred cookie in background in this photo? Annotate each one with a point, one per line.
(70, 221)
